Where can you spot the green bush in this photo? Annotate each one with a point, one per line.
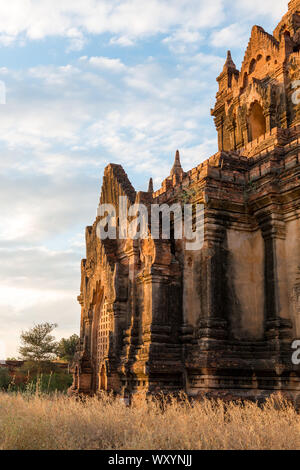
(29, 379)
(5, 378)
(44, 382)
(58, 381)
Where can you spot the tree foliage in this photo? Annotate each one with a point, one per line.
(38, 344)
(67, 347)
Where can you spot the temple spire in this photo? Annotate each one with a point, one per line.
(229, 64)
(177, 168)
(150, 187)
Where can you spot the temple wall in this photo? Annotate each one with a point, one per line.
(217, 318)
(192, 280)
(282, 282)
(246, 284)
(292, 252)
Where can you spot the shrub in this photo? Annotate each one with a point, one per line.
(28, 378)
(5, 378)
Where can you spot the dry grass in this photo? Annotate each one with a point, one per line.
(60, 422)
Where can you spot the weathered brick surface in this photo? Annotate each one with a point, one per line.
(218, 321)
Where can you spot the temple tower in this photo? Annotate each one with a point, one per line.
(217, 320)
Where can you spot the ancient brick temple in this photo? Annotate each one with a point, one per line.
(219, 321)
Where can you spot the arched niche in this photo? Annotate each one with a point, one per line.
(256, 121)
(252, 66)
(102, 378)
(244, 83)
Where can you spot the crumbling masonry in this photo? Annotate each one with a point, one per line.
(219, 321)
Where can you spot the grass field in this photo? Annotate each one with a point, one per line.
(59, 422)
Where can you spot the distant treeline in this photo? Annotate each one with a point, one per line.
(22, 376)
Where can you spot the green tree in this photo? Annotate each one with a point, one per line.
(38, 345)
(67, 347)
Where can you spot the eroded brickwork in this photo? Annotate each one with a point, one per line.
(218, 321)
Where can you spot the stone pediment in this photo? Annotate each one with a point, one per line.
(116, 183)
(259, 41)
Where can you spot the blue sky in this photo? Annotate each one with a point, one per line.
(91, 82)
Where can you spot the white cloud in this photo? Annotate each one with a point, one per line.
(270, 8)
(6, 39)
(127, 20)
(231, 36)
(37, 285)
(115, 65)
(53, 307)
(64, 110)
(184, 40)
(78, 241)
(25, 298)
(206, 62)
(123, 41)
(54, 75)
(192, 156)
(36, 209)
(76, 44)
(37, 19)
